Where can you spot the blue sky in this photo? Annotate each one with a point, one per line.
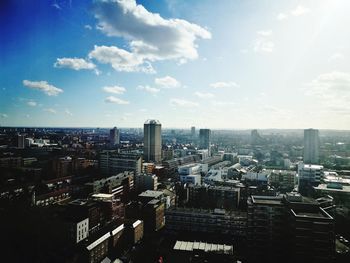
(204, 63)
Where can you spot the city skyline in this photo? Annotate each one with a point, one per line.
(237, 65)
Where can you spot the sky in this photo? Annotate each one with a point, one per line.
(211, 64)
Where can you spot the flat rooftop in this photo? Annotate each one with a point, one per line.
(323, 187)
(310, 213)
(151, 194)
(267, 200)
(205, 247)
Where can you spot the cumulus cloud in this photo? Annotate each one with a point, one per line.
(204, 95)
(74, 63)
(167, 82)
(114, 89)
(282, 16)
(31, 103)
(151, 37)
(263, 45)
(332, 90)
(112, 99)
(264, 33)
(50, 110)
(300, 10)
(120, 59)
(183, 103)
(67, 111)
(336, 56)
(223, 84)
(148, 89)
(43, 86)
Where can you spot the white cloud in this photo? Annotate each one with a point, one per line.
(336, 56)
(68, 112)
(114, 89)
(282, 16)
(222, 84)
(183, 103)
(112, 99)
(88, 27)
(74, 63)
(150, 36)
(263, 45)
(222, 103)
(204, 95)
(120, 59)
(32, 103)
(43, 86)
(332, 91)
(167, 82)
(148, 89)
(3, 115)
(300, 10)
(264, 33)
(50, 110)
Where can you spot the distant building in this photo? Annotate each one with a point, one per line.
(217, 221)
(193, 131)
(191, 179)
(152, 141)
(309, 175)
(255, 137)
(114, 136)
(20, 141)
(205, 139)
(80, 230)
(284, 180)
(145, 182)
(62, 167)
(311, 146)
(112, 162)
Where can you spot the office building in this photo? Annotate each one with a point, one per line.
(205, 139)
(193, 131)
(217, 221)
(311, 146)
(114, 136)
(152, 141)
(145, 182)
(284, 180)
(20, 141)
(266, 228)
(310, 175)
(112, 162)
(289, 228)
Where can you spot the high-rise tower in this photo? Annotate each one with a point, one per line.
(205, 139)
(311, 146)
(114, 136)
(152, 140)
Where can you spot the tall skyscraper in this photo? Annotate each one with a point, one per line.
(205, 139)
(311, 146)
(193, 131)
(114, 136)
(152, 140)
(20, 141)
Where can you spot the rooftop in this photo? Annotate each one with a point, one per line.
(152, 122)
(267, 200)
(205, 247)
(151, 194)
